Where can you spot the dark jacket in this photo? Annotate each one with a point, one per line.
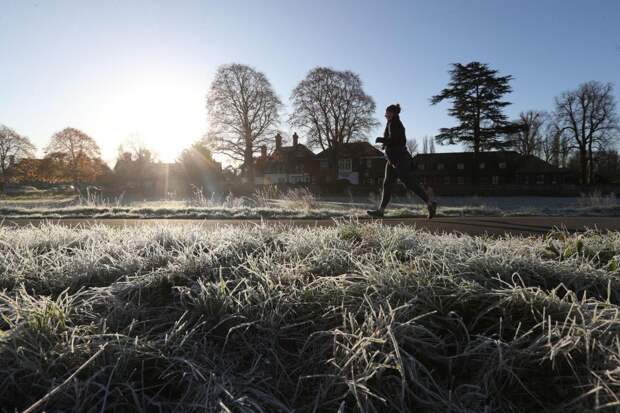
(394, 134)
(394, 139)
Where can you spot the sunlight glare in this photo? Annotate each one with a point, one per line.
(164, 112)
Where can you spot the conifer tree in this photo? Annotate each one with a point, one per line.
(476, 93)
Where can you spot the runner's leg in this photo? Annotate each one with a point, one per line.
(408, 178)
(388, 182)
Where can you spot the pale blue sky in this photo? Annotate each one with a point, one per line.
(120, 68)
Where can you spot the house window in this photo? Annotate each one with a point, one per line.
(420, 166)
(446, 180)
(299, 168)
(460, 180)
(324, 164)
(495, 180)
(440, 167)
(368, 163)
(481, 165)
(554, 179)
(540, 179)
(460, 166)
(344, 165)
(502, 165)
(525, 180)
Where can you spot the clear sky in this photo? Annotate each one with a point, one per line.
(117, 69)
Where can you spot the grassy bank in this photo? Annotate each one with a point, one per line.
(276, 319)
(282, 212)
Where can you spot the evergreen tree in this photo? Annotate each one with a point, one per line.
(476, 93)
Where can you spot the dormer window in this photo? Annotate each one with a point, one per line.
(345, 165)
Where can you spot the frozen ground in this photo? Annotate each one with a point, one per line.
(355, 317)
(305, 205)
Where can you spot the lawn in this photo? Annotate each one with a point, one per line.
(355, 317)
(301, 204)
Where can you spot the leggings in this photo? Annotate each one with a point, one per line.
(401, 169)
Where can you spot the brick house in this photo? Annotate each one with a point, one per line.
(360, 163)
(291, 165)
(453, 172)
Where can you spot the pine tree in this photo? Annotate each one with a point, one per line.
(476, 93)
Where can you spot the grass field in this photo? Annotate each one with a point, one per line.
(301, 204)
(277, 319)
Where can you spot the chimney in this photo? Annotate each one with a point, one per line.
(278, 141)
(295, 139)
(263, 151)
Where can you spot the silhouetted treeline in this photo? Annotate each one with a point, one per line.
(331, 109)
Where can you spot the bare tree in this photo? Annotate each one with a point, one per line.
(13, 148)
(588, 116)
(412, 146)
(136, 149)
(549, 147)
(78, 148)
(528, 138)
(243, 112)
(555, 146)
(428, 144)
(333, 109)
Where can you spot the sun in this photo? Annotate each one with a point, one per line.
(164, 112)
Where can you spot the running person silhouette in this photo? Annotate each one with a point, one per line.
(399, 164)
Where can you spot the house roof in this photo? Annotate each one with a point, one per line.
(354, 150)
(286, 153)
(287, 150)
(466, 156)
(522, 164)
(532, 164)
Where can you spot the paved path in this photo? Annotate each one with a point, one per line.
(467, 225)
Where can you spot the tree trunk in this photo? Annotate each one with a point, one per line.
(474, 170)
(590, 164)
(248, 160)
(333, 162)
(583, 162)
(76, 179)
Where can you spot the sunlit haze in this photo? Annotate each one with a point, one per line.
(116, 70)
